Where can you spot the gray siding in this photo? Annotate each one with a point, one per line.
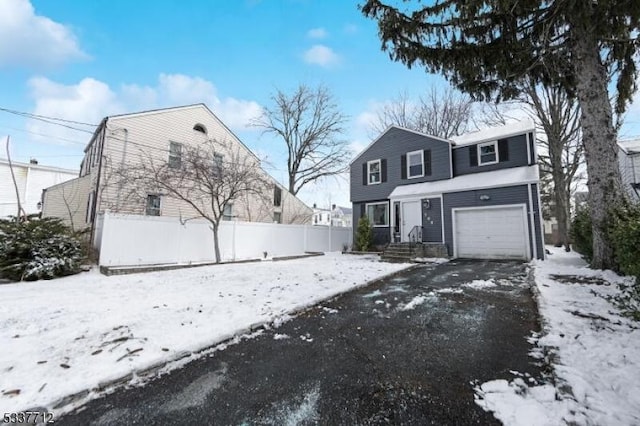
(537, 222)
(432, 221)
(391, 146)
(517, 156)
(498, 196)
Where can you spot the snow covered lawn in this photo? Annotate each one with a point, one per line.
(63, 336)
(593, 349)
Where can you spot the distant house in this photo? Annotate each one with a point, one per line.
(121, 141)
(629, 162)
(336, 216)
(31, 179)
(478, 195)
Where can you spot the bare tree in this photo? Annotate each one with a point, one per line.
(311, 125)
(558, 116)
(208, 177)
(444, 113)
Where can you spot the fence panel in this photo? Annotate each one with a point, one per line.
(132, 240)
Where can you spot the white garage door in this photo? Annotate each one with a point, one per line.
(491, 233)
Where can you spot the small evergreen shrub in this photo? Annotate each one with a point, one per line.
(38, 249)
(364, 234)
(625, 235)
(581, 234)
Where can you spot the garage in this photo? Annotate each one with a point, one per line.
(491, 232)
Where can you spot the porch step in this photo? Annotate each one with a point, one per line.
(406, 252)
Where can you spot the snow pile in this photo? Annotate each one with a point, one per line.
(595, 351)
(418, 300)
(66, 335)
(480, 284)
(436, 260)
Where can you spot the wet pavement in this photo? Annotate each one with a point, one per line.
(405, 350)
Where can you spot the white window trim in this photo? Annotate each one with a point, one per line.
(366, 211)
(369, 163)
(495, 147)
(409, 154)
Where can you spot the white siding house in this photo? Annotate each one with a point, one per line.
(31, 179)
(126, 141)
(629, 161)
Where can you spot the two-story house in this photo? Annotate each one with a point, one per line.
(629, 161)
(478, 194)
(127, 141)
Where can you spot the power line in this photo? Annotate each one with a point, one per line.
(43, 135)
(49, 120)
(29, 114)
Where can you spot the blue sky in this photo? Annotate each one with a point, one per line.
(83, 60)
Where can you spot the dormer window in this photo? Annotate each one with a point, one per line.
(200, 128)
(487, 153)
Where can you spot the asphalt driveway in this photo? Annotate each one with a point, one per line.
(405, 350)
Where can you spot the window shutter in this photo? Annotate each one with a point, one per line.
(473, 155)
(403, 167)
(365, 174)
(383, 172)
(427, 162)
(362, 210)
(503, 149)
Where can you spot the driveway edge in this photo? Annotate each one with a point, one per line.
(142, 375)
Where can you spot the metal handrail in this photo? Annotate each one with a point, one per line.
(415, 235)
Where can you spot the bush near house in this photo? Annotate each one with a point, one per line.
(364, 234)
(38, 249)
(581, 233)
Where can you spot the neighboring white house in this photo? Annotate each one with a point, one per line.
(629, 161)
(336, 216)
(125, 141)
(31, 179)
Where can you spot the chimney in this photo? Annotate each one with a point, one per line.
(314, 205)
(333, 206)
(33, 161)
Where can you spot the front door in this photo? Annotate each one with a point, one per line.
(410, 217)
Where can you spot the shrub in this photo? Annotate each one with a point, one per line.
(364, 234)
(38, 249)
(625, 236)
(581, 233)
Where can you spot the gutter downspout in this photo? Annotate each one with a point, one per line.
(124, 154)
(96, 195)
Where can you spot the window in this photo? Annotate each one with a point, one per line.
(415, 164)
(487, 153)
(217, 164)
(153, 205)
(277, 196)
(374, 172)
(200, 128)
(378, 214)
(277, 217)
(227, 213)
(175, 155)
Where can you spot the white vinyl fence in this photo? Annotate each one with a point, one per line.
(133, 240)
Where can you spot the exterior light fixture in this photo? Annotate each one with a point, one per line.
(485, 198)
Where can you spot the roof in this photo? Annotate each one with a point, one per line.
(494, 133)
(630, 145)
(483, 180)
(40, 167)
(399, 128)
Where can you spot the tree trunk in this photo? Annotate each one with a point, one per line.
(599, 137)
(216, 244)
(292, 183)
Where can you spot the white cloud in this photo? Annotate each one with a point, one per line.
(90, 100)
(322, 55)
(31, 40)
(317, 33)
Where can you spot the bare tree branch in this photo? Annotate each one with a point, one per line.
(310, 124)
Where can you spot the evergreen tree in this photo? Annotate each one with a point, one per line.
(487, 48)
(364, 234)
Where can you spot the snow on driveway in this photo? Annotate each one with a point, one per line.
(595, 352)
(63, 336)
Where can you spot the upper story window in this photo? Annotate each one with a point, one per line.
(487, 153)
(218, 159)
(175, 155)
(153, 205)
(374, 172)
(200, 128)
(277, 196)
(415, 164)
